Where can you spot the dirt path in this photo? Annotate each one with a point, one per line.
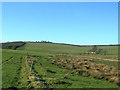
(101, 58)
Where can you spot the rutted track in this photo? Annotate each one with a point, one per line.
(35, 81)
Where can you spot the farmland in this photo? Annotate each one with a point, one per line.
(50, 65)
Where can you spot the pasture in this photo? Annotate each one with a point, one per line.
(49, 65)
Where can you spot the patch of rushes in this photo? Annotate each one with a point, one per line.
(88, 68)
(109, 63)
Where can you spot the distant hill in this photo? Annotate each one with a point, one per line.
(12, 45)
(17, 44)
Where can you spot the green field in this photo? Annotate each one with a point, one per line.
(31, 66)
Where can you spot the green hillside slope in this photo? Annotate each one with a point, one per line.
(50, 48)
(29, 66)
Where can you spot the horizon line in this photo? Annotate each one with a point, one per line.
(43, 41)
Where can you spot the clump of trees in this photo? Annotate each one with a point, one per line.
(46, 41)
(12, 45)
(39, 41)
(96, 50)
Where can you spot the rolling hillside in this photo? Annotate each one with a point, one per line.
(51, 48)
(39, 65)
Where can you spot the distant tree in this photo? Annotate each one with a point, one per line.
(9, 47)
(105, 52)
(94, 48)
(100, 50)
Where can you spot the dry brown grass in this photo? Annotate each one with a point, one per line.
(86, 73)
(74, 72)
(107, 77)
(95, 74)
(88, 68)
(92, 64)
(64, 71)
(69, 66)
(115, 80)
(66, 76)
(106, 69)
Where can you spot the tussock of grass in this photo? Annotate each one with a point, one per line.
(87, 68)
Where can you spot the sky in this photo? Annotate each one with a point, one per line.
(79, 23)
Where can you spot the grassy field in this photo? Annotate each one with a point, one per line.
(51, 48)
(31, 66)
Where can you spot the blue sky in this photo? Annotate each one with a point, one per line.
(79, 23)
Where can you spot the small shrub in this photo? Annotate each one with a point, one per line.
(69, 66)
(83, 68)
(86, 74)
(106, 69)
(114, 80)
(95, 74)
(66, 76)
(106, 77)
(86, 66)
